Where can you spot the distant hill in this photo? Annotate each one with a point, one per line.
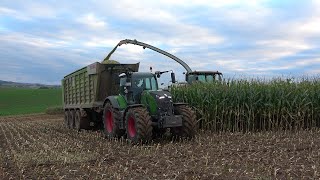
(26, 85)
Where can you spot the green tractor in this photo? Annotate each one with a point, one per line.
(142, 111)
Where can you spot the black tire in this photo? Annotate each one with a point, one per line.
(77, 119)
(111, 122)
(158, 133)
(189, 122)
(66, 119)
(85, 123)
(138, 125)
(71, 119)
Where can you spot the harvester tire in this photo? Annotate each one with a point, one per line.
(66, 119)
(138, 125)
(189, 122)
(71, 119)
(111, 122)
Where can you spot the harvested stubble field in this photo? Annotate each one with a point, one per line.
(39, 147)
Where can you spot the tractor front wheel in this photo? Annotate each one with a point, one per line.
(111, 120)
(189, 122)
(138, 125)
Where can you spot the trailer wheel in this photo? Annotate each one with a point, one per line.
(138, 125)
(71, 119)
(189, 122)
(84, 123)
(77, 120)
(66, 119)
(111, 122)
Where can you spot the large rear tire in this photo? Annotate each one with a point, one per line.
(71, 119)
(85, 123)
(189, 122)
(81, 121)
(77, 120)
(138, 125)
(111, 122)
(66, 119)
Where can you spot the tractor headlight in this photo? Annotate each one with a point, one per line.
(162, 97)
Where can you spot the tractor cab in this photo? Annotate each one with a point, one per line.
(132, 85)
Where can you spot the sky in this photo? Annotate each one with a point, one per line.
(42, 41)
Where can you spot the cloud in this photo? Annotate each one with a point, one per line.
(28, 11)
(91, 21)
(12, 13)
(172, 30)
(256, 37)
(21, 38)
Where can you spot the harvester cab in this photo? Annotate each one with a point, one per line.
(203, 76)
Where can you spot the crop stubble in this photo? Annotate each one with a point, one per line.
(38, 146)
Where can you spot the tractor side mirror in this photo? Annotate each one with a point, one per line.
(173, 77)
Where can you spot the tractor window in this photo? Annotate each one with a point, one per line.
(148, 84)
(122, 81)
(151, 84)
(139, 83)
(122, 85)
(154, 84)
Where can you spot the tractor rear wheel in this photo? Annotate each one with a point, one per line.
(66, 119)
(111, 120)
(189, 122)
(138, 125)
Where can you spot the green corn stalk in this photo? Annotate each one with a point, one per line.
(254, 105)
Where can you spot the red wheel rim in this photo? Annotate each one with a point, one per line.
(109, 121)
(131, 127)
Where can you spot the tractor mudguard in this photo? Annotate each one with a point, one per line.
(131, 106)
(113, 101)
(117, 102)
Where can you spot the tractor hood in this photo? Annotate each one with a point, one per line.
(164, 102)
(158, 102)
(165, 95)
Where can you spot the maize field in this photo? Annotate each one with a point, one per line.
(254, 105)
(253, 130)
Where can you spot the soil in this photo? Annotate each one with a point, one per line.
(40, 147)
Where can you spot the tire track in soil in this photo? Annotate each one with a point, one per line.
(31, 117)
(8, 167)
(45, 134)
(224, 156)
(47, 139)
(62, 134)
